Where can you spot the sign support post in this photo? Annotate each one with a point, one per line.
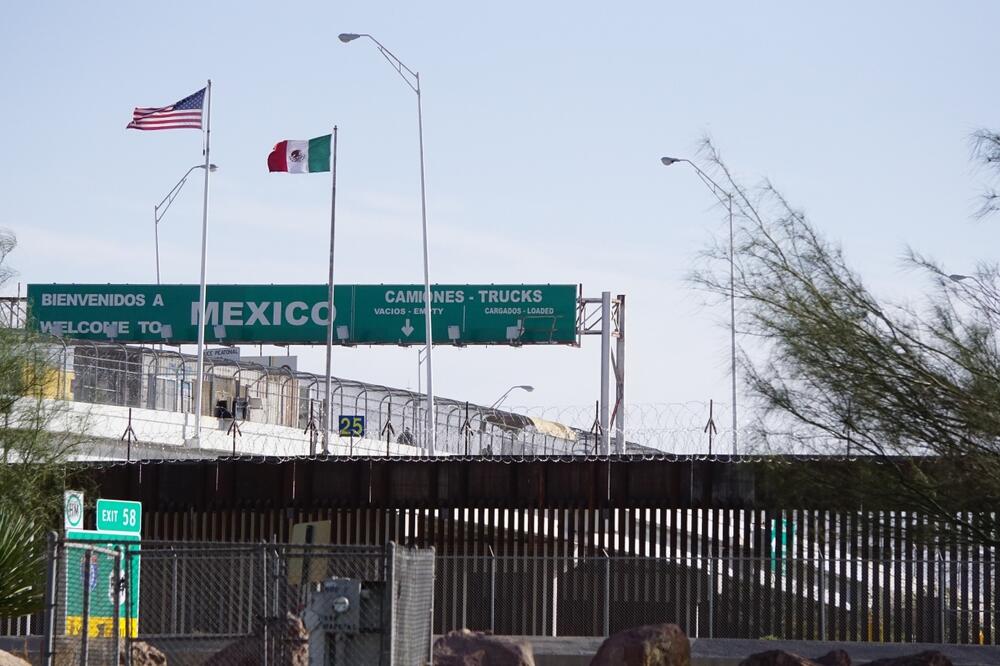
(605, 371)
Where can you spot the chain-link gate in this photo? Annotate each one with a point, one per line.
(220, 604)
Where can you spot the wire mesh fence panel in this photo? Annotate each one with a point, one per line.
(222, 604)
(90, 593)
(280, 412)
(412, 599)
(793, 598)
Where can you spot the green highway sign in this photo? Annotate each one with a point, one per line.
(99, 570)
(119, 516)
(529, 314)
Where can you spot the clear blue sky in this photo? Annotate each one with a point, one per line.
(544, 124)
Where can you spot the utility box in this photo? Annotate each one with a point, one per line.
(345, 623)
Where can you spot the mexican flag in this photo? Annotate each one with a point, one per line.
(294, 156)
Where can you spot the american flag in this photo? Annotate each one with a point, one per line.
(185, 114)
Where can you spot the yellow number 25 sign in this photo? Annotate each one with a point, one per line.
(352, 425)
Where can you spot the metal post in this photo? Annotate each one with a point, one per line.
(732, 312)
(430, 619)
(51, 580)
(116, 614)
(620, 377)
(428, 301)
(128, 606)
(943, 596)
(822, 597)
(202, 293)
(173, 594)
(493, 590)
(607, 592)
(605, 371)
(88, 554)
(156, 236)
(711, 597)
(264, 609)
(331, 311)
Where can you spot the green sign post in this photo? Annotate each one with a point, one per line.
(298, 314)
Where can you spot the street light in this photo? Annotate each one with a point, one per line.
(160, 209)
(412, 79)
(725, 197)
(523, 387)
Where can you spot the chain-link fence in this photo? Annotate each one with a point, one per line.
(222, 604)
(720, 597)
(140, 399)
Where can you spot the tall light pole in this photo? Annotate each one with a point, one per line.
(412, 80)
(160, 209)
(725, 197)
(523, 387)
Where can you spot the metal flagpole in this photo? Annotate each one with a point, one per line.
(202, 293)
(331, 312)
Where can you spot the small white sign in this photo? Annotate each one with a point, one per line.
(73, 509)
(223, 354)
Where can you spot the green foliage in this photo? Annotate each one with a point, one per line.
(836, 370)
(22, 566)
(34, 456)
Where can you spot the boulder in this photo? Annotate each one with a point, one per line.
(473, 648)
(834, 658)
(649, 645)
(144, 654)
(777, 658)
(7, 659)
(928, 658)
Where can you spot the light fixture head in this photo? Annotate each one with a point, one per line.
(526, 387)
(667, 161)
(347, 37)
(213, 168)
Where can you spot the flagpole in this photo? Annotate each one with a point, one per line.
(202, 295)
(328, 416)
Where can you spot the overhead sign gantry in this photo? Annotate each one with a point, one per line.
(297, 314)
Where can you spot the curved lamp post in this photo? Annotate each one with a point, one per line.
(412, 79)
(160, 209)
(523, 387)
(725, 197)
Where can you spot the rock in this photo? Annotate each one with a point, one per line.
(473, 648)
(834, 658)
(777, 658)
(144, 654)
(649, 645)
(7, 659)
(928, 658)
(297, 641)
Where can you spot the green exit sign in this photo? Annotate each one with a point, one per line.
(119, 516)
